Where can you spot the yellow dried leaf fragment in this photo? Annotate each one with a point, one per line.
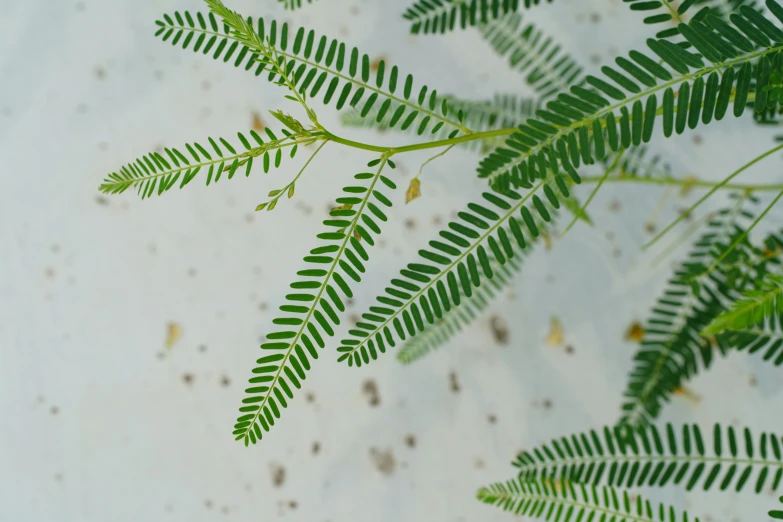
(173, 333)
(414, 190)
(555, 337)
(684, 392)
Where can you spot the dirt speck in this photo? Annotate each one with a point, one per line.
(225, 381)
(479, 464)
(188, 378)
(100, 73)
(410, 440)
(102, 200)
(208, 504)
(258, 123)
(50, 272)
(278, 475)
(293, 504)
(454, 383)
(634, 332)
(499, 329)
(547, 404)
(383, 461)
(370, 390)
(649, 227)
(316, 448)
(492, 418)
(54, 410)
(410, 223)
(310, 397)
(569, 349)
(202, 348)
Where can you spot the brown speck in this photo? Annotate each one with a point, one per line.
(54, 410)
(492, 419)
(649, 227)
(353, 318)
(208, 504)
(569, 349)
(377, 63)
(595, 18)
(100, 73)
(635, 332)
(188, 378)
(293, 504)
(410, 223)
(479, 464)
(316, 447)
(410, 440)
(454, 382)
(499, 329)
(546, 404)
(697, 139)
(370, 390)
(225, 381)
(278, 475)
(102, 200)
(50, 272)
(383, 460)
(437, 220)
(615, 205)
(310, 397)
(263, 307)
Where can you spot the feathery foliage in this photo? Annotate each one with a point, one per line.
(294, 4)
(704, 92)
(564, 500)
(155, 171)
(547, 69)
(316, 302)
(316, 66)
(754, 309)
(623, 457)
(670, 12)
(441, 16)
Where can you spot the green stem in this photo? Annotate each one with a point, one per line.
(684, 182)
(390, 151)
(595, 190)
(711, 192)
(269, 205)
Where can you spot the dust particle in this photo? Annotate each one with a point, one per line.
(278, 475)
(202, 348)
(188, 378)
(50, 272)
(54, 410)
(383, 460)
(293, 504)
(410, 223)
(310, 397)
(499, 329)
(102, 200)
(547, 404)
(753, 381)
(100, 73)
(492, 418)
(479, 464)
(370, 390)
(316, 447)
(225, 381)
(410, 440)
(208, 504)
(569, 349)
(649, 227)
(615, 205)
(454, 382)
(697, 139)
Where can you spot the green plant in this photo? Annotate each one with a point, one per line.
(723, 62)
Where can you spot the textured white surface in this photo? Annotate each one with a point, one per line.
(95, 426)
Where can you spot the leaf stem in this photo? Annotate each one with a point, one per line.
(595, 190)
(711, 192)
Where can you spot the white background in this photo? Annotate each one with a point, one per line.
(97, 422)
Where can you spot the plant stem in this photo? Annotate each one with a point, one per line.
(595, 190)
(684, 182)
(712, 191)
(390, 151)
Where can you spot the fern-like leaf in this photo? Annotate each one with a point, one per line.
(754, 309)
(443, 329)
(583, 125)
(441, 16)
(153, 171)
(622, 457)
(672, 350)
(315, 65)
(669, 12)
(544, 498)
(294, 4)
(547, 69)
(313, 309)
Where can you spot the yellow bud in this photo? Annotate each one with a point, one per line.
(414, 190)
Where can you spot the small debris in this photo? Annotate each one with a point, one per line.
(102, 200)
(492, 418)
(454, 382)
(208, 504)
(188, 378)
(547, 404)
(687, 187)
(555, 336)
(293, 504)
(54, 410)
(225, 381)
(499, 329)
(635, 332)
(258, 123)
(370, 389)
(174, 332)
(376, 63)
(383, 460)
(316, 447)
(278, 475)
(686, 393)
(410, 440)
(310, 397)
